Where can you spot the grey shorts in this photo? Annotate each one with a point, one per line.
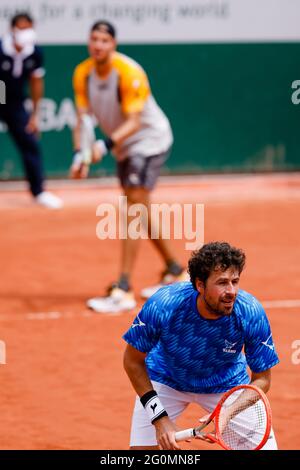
(141, 171)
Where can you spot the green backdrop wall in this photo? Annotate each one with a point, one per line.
(229, 105)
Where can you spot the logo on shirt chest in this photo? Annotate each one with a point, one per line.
(229, 347)
(103, 86)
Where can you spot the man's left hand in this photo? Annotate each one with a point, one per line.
(33, 124)
(98, 151)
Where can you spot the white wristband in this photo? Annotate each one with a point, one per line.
(102, 147)
(154, 408)
(77, 159)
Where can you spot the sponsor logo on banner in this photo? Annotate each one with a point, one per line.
(152, 21)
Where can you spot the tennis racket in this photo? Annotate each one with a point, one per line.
(241, 420)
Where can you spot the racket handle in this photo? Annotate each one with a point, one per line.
(185, 434)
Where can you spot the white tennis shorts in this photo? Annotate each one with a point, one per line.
(175, 402)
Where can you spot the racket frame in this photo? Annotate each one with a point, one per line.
(197, 431)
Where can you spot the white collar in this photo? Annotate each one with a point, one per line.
(9, 49)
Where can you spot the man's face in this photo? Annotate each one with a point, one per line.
(22, 25)
(101, 45)
(220, 291)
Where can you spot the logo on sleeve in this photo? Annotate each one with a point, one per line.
(229, 347)
(140, 323)
(269, 343)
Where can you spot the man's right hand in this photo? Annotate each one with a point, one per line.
(165, 434)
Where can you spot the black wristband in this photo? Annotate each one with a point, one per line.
(164, 413)
(153, 406)
(109, 143)
(146, 397)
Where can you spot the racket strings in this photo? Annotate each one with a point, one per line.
(242, 421)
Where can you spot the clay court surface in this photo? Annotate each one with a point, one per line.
(63, 386)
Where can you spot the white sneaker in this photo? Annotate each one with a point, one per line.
(167, 279)
(116, 301)
(49, 200)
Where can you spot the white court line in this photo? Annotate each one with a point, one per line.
(44, 315)
(270, 304)
(57, 315)
(21, 185)
(281, 303)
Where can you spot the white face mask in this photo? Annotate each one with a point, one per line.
(24, 37)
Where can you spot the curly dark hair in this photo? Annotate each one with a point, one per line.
(214, 255)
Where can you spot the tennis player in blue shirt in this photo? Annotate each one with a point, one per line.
(186, 346)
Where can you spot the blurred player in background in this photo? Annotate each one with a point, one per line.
(185, 346)
(21, 63)
(116, 90)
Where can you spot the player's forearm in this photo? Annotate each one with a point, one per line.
(77, 128)
(262, 384)
(262, 380)
(126, 129)
(36, 92)
(138, 375)
(76, 136)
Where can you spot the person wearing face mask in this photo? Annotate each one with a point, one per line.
(21, 64)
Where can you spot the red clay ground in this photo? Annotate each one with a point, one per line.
(63, 386)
